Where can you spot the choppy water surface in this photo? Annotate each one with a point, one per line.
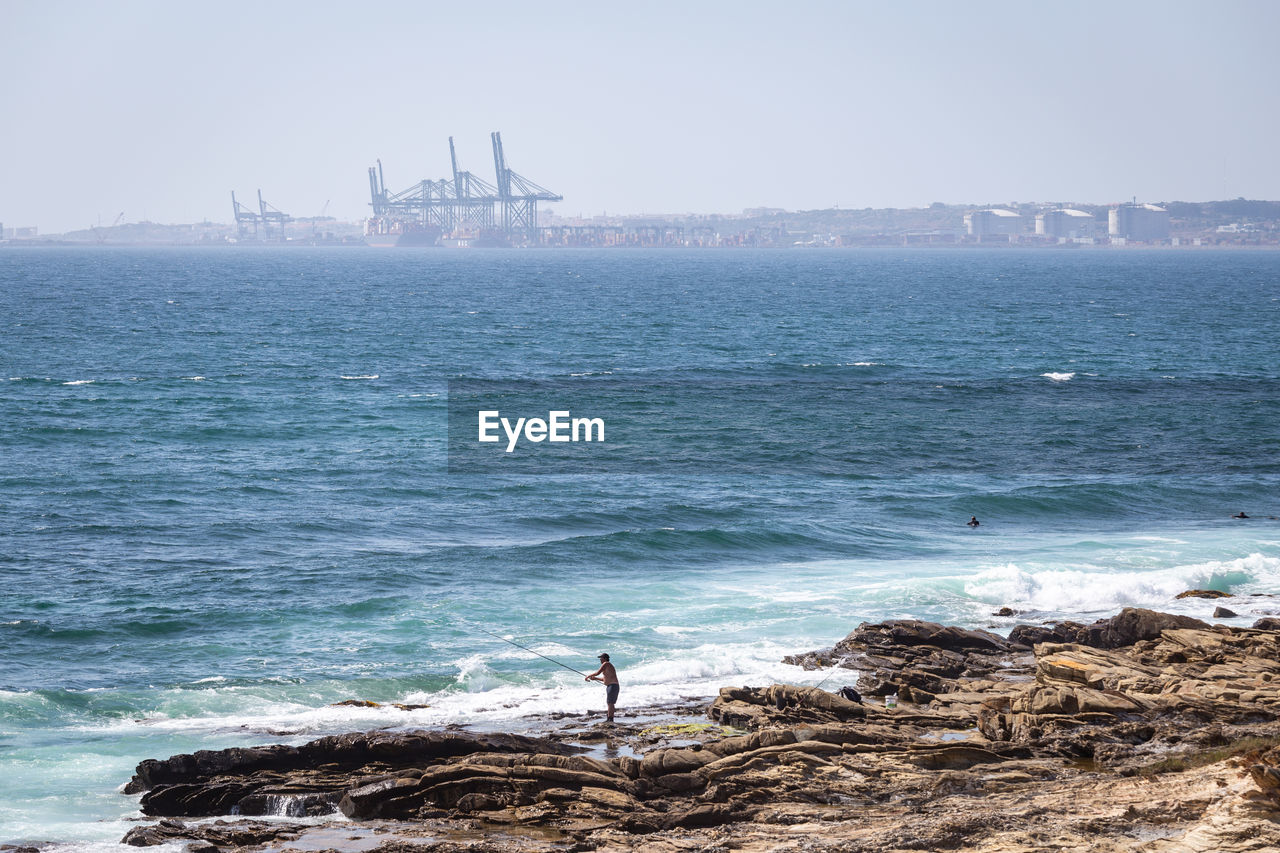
(226, 503)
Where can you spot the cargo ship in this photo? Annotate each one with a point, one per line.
(381, 234)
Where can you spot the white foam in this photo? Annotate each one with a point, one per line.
(194, 378)
(361, 376)
(697, 673)
(782, 593)
(1059, 377)
(105, 846)
(1076, 591)
(81, 382)
(483, 695)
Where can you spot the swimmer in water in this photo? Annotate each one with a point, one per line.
(973, 521)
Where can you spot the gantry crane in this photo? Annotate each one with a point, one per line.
(463, 203)
(518, 195)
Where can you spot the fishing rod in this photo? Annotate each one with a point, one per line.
(834, 667)
(532, 652)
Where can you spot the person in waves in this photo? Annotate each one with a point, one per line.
(973, 521)
(609, 677)
(1239, 515)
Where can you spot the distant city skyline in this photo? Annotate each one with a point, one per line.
(158, 110)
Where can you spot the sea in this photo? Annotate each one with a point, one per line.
(231, 497)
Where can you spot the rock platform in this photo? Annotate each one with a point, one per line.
(1145, 732)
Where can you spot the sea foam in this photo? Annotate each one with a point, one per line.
(1077, 591)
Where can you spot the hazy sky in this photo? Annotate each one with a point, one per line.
(158, 110)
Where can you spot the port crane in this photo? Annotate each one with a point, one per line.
(266, 223)
(519, 196)
(101, 233)
(462, 203)
(273, 219)
(246, 219)
(473, 197)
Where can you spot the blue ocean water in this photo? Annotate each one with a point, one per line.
(226, 504)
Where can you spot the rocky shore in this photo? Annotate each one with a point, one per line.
(1145, 731)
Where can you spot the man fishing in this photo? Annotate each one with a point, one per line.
(606, 673)
(609, 676)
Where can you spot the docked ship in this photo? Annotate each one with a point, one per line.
(381, 233)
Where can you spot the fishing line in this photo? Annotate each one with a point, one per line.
(834, 667)
(531, 651)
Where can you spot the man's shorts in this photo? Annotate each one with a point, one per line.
(611, 694)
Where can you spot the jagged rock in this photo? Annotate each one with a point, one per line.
(380, 799)
(1267, 623)
(1134, 624)
(482, 782)
(196, 800)
(1112, 703)
(1069, 699)
(713, 814)
(1062, 632)
(911, 658)
(221, 833)
(310, 779)
(1224, 613)
(754, 708)
(664, 761)
(1203, 593)
(1128, 627)
(365, 703)
(914, 632)
(1266, 778)
(342, 752)
(955, 758)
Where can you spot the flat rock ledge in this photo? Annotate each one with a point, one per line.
(1146, 732)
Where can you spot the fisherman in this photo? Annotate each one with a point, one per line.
(609, 676)
(973, 521)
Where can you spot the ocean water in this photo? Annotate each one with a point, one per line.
(226, 499)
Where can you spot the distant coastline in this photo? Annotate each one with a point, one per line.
(1235, 224)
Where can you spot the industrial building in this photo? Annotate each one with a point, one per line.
(1067, 223)
(1143, 223)
(993, 222)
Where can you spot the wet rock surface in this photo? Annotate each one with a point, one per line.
(218, 834)
(1145, 731)
(305, 780)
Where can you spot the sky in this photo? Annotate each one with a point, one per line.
(158, 110)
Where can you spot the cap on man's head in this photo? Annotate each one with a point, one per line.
(604, 656)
